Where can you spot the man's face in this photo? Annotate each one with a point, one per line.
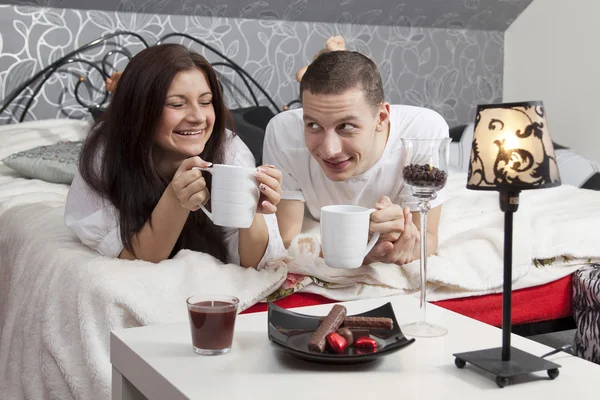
(344, 132)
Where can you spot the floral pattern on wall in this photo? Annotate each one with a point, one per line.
(449, 70)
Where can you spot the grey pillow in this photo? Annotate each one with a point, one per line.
(577, 170)
(56, 163)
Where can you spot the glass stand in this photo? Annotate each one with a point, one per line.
(423, 328)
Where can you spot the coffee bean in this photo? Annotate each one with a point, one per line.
(424, 175)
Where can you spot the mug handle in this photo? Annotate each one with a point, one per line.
(208, 213)
(375, 235)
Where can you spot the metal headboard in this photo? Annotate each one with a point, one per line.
(37, 81)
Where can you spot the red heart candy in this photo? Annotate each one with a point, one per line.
(337, 342)
(365, 342)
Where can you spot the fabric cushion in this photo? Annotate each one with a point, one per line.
(456, 132)
(460, 147)
(97, 113)
(250, 124)
(55, 163)
(593, 182)
(586, 310)
(577, 170)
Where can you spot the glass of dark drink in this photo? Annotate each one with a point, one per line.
(212, 321)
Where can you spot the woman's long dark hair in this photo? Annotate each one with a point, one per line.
(117, 159)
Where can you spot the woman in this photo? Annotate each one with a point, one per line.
(137, 194)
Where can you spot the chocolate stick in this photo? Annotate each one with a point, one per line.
(331, 323)
(368, 322)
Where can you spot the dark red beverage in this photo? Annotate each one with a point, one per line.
(212, 323)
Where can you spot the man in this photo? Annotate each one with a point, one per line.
(344, 147)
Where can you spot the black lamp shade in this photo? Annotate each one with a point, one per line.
(512, 149)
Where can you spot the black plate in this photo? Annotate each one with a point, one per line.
(290, 332)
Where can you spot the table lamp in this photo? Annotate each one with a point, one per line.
(511, 151)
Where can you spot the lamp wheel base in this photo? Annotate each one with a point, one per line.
(519, 363)
(501, 381)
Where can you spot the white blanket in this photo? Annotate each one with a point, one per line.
(59, 300)
(563, 221)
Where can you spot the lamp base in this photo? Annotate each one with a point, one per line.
(520, 363)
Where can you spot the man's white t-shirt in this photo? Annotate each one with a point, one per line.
(304, 179)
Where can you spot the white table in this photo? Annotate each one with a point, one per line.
(157, 362)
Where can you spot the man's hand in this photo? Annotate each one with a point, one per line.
(399, 235)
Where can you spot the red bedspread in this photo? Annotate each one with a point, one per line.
(539, 303)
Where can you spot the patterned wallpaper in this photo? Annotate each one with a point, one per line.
(449, 70)
(469, 14)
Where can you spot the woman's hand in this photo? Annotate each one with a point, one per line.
(188, 184)
(269, 179)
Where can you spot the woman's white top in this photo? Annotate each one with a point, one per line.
(95, 219)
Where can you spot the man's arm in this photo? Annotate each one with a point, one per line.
(399, 242)
(290, 215)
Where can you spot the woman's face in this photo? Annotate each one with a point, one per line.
(187, 120)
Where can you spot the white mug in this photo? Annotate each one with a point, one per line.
(344, 235)
(234, 195)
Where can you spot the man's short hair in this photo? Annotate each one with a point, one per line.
(336, 72)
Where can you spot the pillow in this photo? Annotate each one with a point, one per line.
(593, 182)
(27, 135)
(97, 113)
(55, 163)
(249, 125)
(456, 132)
(577, 170)
(460, 146)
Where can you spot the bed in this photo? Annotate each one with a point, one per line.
(59, 300)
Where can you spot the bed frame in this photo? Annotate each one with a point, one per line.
(27, 92)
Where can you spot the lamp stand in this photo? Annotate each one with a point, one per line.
(506, 361)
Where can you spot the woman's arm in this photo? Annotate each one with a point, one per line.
(157, 238)
(253, 241)
(155, 241)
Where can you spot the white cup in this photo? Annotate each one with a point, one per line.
(345, 235)
(234, 195)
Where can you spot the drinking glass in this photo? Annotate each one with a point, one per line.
(425, 172)
(212, 322)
